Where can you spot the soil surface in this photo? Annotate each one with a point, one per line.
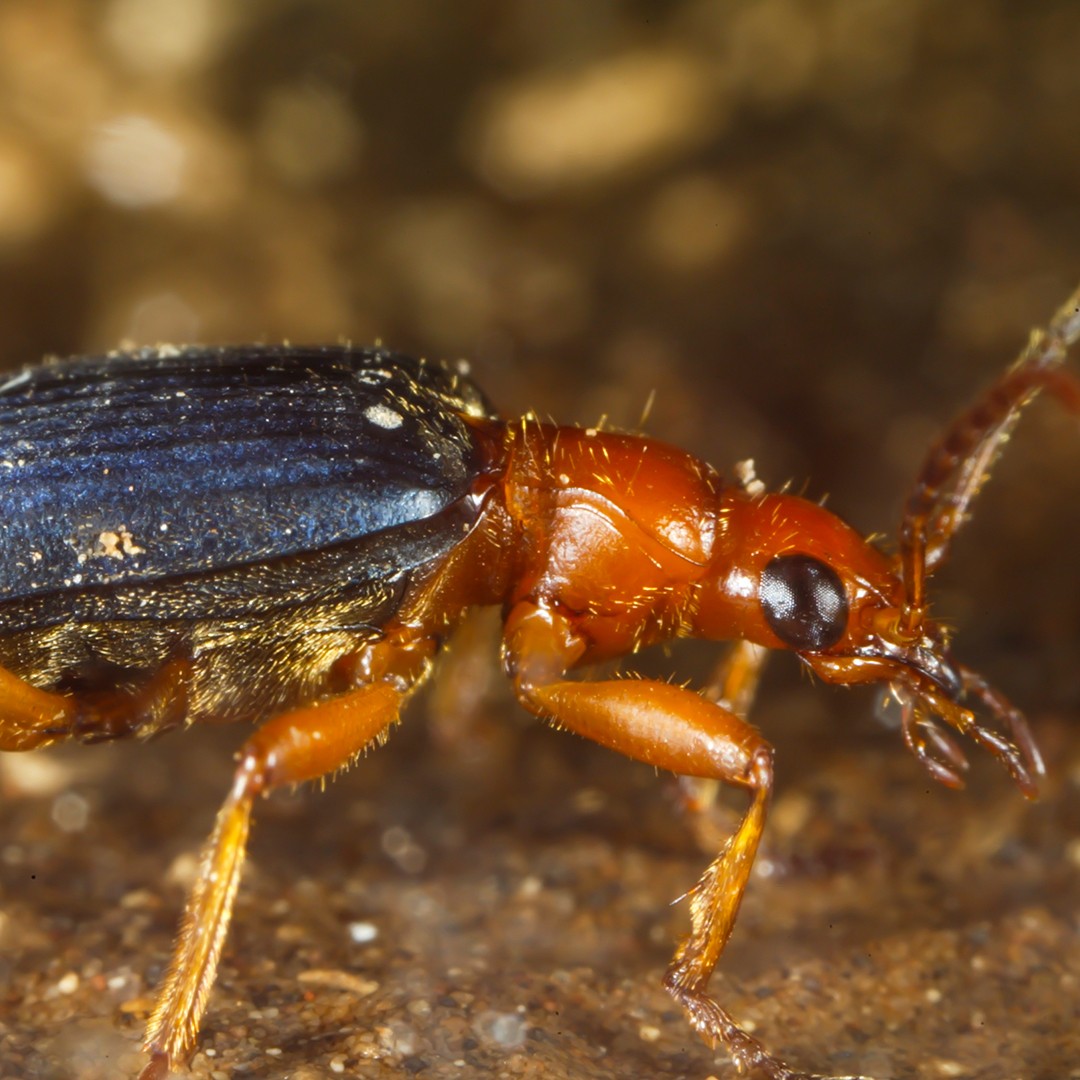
(800, 232)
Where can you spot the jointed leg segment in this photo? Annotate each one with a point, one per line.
(732, 685)
(33, 718)
(300, 745)
(676, 729)
(29, 717)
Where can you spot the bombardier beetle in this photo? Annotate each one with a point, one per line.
(288, 535)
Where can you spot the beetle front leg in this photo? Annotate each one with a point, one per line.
(675, 729)
(303, 744)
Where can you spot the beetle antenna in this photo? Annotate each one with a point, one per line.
(959, 464)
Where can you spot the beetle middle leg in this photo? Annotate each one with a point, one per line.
(733, 686)
(676, 729)
(299, 745)
(31, 717)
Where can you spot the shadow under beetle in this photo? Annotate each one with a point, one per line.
(287, 535)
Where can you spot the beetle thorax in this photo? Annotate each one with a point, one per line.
(616, 529)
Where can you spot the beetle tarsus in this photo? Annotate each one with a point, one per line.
(157, 1068)
(300, 745)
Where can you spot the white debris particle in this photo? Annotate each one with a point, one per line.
(115, 544)
(363, 932)
(139, 900)
(35, 774)
(18, 379)
(945, 1067)
(373, 376)
(70, 812)
(747, 478)
(507, 1030)
(589, 800)
(183, 870)
(399, 845)
(135, 161)
(69, 983)
(383, 416)
(530, 887)
(339, 980)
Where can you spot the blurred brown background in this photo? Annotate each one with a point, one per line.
(813, 228)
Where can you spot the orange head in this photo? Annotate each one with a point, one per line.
(787, 573)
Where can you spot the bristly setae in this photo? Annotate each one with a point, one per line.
(288, 535)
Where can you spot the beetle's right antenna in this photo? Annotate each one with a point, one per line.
(960, 462)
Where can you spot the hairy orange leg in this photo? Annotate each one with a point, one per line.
(734, 681)
(733, 686)
(303, 744)
(29, 717)
(676, 729)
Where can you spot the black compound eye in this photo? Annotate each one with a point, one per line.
(804, 601)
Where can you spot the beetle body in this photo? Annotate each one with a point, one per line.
(253, 514)
(289, 535)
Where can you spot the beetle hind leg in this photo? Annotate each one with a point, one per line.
(30, 717)
(303, 744)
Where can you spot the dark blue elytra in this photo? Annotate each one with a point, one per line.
(142, 466)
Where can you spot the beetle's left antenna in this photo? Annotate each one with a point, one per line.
(959, 464)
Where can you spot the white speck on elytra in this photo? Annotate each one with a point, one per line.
(383, 416)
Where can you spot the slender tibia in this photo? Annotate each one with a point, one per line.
(303, 744)
(676, 729)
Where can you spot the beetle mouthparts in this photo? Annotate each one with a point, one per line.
(925, 701)
(929, 658)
